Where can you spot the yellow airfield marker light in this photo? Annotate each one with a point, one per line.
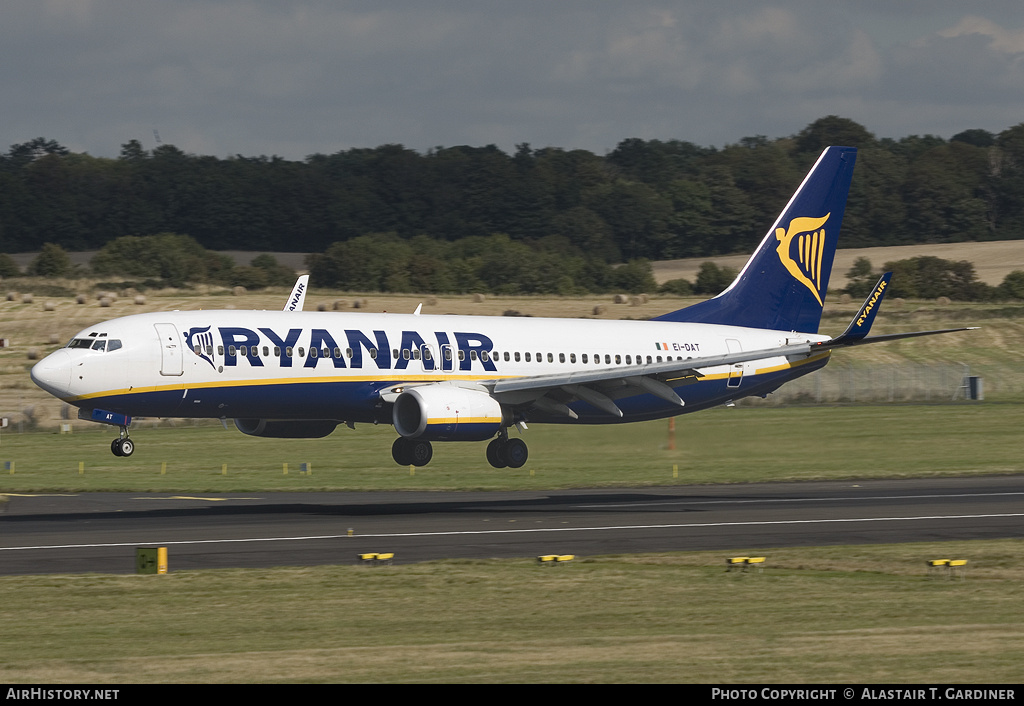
(81, 468)
(285, 472)
(351, 532)
(224, 469)
(163, 468)
(675, 470)
(412, 470)
(161, 560)
(735, 562)
(552, 559)
(958, 567)
(10, 466)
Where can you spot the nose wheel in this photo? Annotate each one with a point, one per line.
(122, 445)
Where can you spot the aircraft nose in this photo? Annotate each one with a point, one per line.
(53, 373)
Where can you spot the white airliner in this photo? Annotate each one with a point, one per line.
(470, 378)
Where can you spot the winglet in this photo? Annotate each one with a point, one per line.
(298, 295)
(861, 324)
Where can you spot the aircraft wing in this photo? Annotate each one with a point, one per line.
(552, 393)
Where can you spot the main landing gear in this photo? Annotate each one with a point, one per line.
(504, 452)
(122, 445)
(411, 452)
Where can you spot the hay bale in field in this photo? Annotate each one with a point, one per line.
(340, 304)
(620, 299)
(321, 306)
(943, 301)
(139, 300)
(26, 298)
(478, 298)
(600, 309)
(54, 339)
(49, 306)
(32, 354)
(845, 298)
(898, 303)
(238, 291)
(12, 296)
(80, 299)
(105, 301)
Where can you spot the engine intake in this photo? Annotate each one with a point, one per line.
(443, 412)
(287, 429)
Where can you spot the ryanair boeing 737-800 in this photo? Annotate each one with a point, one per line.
(470, 378)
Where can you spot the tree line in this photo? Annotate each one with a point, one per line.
(386, 263)
(649, 199)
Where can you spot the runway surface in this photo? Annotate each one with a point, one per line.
(98, 532)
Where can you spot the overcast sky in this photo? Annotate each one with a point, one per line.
(252, 77)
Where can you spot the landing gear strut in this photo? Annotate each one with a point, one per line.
(122, 445)
(505, 452)
(411, 452)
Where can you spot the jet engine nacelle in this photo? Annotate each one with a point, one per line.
(286, 429)
(447, 413)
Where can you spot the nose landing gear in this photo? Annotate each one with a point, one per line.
(122, 445)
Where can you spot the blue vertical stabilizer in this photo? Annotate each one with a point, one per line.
(783, 284)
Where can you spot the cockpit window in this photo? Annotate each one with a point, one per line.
(96, 344)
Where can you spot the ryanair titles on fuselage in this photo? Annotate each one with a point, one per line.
(319, 345)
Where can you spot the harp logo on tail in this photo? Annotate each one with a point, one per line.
(801, 249)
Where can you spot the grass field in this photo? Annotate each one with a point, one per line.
(731, 445)
(866, 614)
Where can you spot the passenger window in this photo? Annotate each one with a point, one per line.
(462, 355)
(472, 355)
(447, 353)
(551, 358)
(266, 351)
(220, 350)
(196, 351)
(277, 351)
(289, 352)
(517, 356)
(506, 356)
(232, 351)
(618, 359)
(659, 358)
(540, 358)
(648, 359)
(607, 359)
(527, 357)
(406, 354)
(629, 360)
(572, 357)
(585, 359)
(314, 352)
(394, 353)
(373, 353)
(484, 357)
(561, 357)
